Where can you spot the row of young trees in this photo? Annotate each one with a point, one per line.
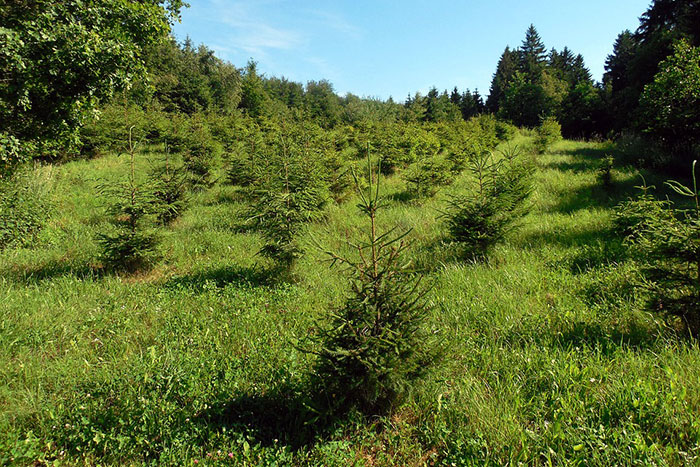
(371, 349)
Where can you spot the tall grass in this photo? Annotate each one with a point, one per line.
(549, 355)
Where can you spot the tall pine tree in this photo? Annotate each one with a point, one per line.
(507, 67)
(532, 55)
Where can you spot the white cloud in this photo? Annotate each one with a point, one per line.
(262, 29)
(249, 31)
(337, 22)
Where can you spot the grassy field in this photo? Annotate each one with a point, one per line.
(550, 358)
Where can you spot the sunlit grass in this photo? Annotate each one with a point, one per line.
(550, 356)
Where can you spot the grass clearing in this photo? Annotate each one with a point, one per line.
(549, 355)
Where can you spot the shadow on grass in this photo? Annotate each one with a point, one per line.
(277, 417)
(596, 195)
(608, 339)
(225, 276)
(229, 196)
(569, 237)
(440, 252)
(282, 416)
(595, 256)
(584, 159)
(34, 274)
(403, 197)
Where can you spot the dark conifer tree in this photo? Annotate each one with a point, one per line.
(478, 102)
(507, 67)
(532, 55)
(580, 73)
(456, 97)
(679, 17)
(617, 79)
(468, 106)
(561, 64)
(433, 112)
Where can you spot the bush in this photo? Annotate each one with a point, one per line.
(667, 240)
(23, 209)
(604, 172)
(426, 176)
(374, 348)
(548, 133)
(481, 219)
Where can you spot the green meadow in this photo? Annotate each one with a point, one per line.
(549, 354)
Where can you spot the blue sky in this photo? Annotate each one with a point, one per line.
(385, 48)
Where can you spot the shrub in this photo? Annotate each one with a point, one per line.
(548, 133)
(130, 242)
(667, 240)
(374, 348)
(426, 176)
(604, 172)
(480, 220)
(505, 131)
(23, 207)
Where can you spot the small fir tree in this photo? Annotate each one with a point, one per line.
(548, 133)
(667, 240)
(169, 190)
(374, 348)
(426, 176)
(481, 219)
(131, 242)
(242, 168)
(604, 172)
(291, 195)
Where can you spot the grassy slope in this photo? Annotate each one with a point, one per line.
(548, 356)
